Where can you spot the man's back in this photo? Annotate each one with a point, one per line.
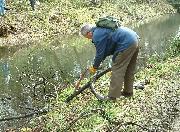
(109, 42)
(124, 37)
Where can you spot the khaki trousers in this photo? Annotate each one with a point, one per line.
(123, 69)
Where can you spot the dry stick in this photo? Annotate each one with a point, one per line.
(25, 116)
(87, 85)
(83, 114)
(134, 124)
(115, 129)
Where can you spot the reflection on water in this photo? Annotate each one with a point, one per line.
(6, 72)
(34, 75)
(29, 77)
(155, 35)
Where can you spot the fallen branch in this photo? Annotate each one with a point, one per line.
(139, 85)
(39, 112)
(87, 85)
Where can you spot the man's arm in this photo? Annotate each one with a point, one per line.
(100, 51)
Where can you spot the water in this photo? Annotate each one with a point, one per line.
(155, 35)
(30, 76)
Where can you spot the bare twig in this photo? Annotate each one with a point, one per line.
(82, 115)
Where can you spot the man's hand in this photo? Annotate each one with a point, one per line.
(92, 70)
(109, 73)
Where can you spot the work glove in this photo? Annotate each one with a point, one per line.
(92, 70)
(109, 73)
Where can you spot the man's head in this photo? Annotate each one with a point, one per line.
(86, 31)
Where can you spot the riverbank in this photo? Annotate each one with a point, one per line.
(156, 108)
(21, 26)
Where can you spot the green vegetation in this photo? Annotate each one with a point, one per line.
(174, 48)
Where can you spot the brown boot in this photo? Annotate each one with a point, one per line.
(125, 94)
(110, 98)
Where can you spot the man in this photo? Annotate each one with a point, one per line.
(2, 7)
(32, 3)
(123, 45)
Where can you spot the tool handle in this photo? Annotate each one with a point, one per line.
(81, 78)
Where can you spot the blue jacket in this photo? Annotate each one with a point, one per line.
(108, 42)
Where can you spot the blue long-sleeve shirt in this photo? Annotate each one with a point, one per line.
(109, 42)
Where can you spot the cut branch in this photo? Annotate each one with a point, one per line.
(87, 85)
